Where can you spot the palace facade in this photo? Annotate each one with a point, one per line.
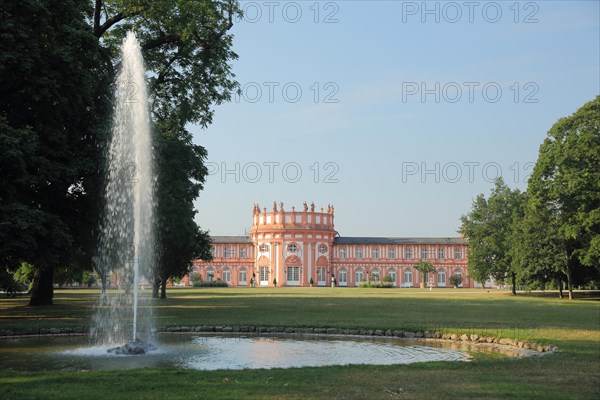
(297, 247)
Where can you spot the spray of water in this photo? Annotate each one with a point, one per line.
(126, 254)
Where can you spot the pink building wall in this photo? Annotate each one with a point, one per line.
(295, 246)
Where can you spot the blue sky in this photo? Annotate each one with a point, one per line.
(398, 113)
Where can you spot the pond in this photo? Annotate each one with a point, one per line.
(193, 351)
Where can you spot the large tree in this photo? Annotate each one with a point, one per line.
(563, 211)
(181, 178)
(52, 106)
(490, 227)
(58, 60)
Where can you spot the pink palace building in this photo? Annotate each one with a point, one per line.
(294, 247)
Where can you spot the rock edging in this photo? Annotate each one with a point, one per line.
(526, 345)
(449, 337)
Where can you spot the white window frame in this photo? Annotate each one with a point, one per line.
(321, 276)
(408, 273)
(441, 282)
(358, 276)
(343, 277)
(457, 253)
(392, 274)
(242, 277)
(375, 275)
(226, 276)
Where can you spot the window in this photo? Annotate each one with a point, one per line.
(321, 275)
(424, 252)
(229, 252)
(264, 248)
(359, 252)
(441, 278)
(242, 277)
(457, 252)
(243, 252)
(342, 253)
(342, 277)
(292, 248)
(408, 277)
(375, 275)
(264, 276)
(458, 272)
(392, 275)
(210, 275)
(408, 252)
(391, 252)
(213, 251)
(322, 248)
(440, 252)
(359, 276)
(375, 252)
(293, 275)
(227, 275)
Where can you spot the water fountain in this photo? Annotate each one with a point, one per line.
(126, 253)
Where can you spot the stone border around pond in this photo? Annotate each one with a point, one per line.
(520, 347)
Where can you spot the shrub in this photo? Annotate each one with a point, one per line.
(201, 284)
(385, 285)
(455, 280)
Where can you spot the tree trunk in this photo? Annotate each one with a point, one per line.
(560, 289)
(569, 284)
(42, 290)
(104, 280)
(163, 289)
(155, 287)
(513, 277)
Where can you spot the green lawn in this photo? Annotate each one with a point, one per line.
(573, 326)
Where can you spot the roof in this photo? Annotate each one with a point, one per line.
(400, 240)
(230, 239)
(361, 240)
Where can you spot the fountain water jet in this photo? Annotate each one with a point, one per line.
(126, 247)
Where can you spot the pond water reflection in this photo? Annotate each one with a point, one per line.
(219, 352)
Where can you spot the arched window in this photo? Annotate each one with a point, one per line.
(358, 274)
(242, 277)
(227, 275)
(375, 275)
(210, 275)
(408, 278)
(458, 272)
(342, 277)
(392, 274)
(441, 278)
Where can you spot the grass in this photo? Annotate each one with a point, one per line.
(573, 326)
